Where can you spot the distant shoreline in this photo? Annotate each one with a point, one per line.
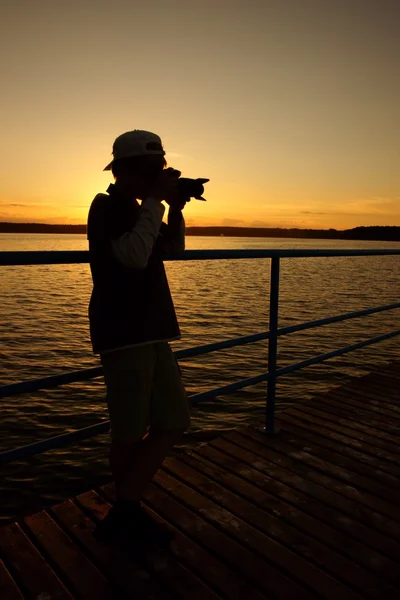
(374, 233)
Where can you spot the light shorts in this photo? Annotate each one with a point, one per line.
(144, 388)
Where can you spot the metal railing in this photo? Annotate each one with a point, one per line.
(273, 372)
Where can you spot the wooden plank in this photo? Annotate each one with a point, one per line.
(257, 571)
(362, 416)
(374, 446)
(369, 391)
(226, 581)
(34, 575)
(120, 568)
(334, 404)
(346, 496)
(244, 565)
(83, 577)
(368, 491)
(334, 451)
(207, 480)
(374, 456)
(388, 385)
(375, 436)
(392, 368)
(383, 372)
(374, 379)
(282, 537)
(254, 486)
(8, 588)
(371, 399)
(108, 491)
(393, 364)
(250, 537)
(313, 498)
(341, 397)
(186, 584)
(392, 372)
(164, 566)
(201, 562)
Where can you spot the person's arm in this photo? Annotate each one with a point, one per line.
(133, 248)
(172, 235)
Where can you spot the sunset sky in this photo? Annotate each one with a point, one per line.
(290, 107)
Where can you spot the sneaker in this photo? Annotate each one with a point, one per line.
(137, 527)
(152, 530)
(109, 529)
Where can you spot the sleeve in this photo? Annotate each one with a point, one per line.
(133, 248)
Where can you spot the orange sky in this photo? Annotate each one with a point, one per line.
(290, 107)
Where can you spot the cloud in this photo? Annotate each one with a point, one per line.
(4, 204)
(258, 224)
(311, 212)
(232, 222)
(376, 205)
(62, 220)
(381, 200)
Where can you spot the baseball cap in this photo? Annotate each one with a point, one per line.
(135, 143)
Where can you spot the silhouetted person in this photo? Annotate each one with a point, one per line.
(132, 319)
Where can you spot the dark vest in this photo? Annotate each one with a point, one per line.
(128, 306)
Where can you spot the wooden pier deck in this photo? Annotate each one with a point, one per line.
(311, 513)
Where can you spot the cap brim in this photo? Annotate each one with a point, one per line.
(108, 167)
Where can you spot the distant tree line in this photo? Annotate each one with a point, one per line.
(389, 233)
(378, 233)
(264, 232)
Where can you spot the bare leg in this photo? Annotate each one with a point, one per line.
(134, 465)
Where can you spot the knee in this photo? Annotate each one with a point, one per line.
(121, 454)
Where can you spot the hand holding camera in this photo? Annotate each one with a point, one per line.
(176, 190)
(165, 186)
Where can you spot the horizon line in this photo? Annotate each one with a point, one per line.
(84, 225)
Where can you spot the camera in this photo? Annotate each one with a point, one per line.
(191, 188)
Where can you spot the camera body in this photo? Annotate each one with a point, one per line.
(191, 188)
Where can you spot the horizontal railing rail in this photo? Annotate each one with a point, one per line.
(75, 257)
(61, 257)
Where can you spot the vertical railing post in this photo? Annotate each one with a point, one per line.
(272, 345)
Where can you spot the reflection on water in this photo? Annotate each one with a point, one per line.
(45, 331)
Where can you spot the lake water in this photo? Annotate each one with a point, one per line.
(44, 331)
